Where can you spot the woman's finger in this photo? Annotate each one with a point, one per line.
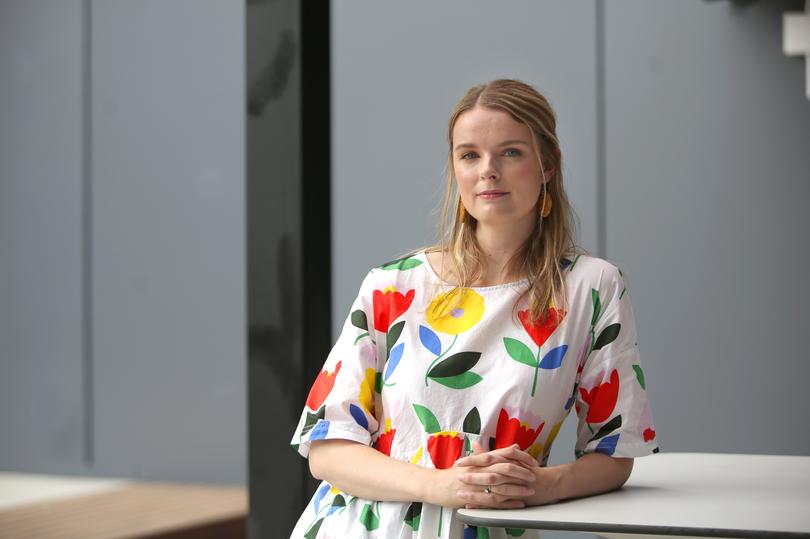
(505, 454)
(491, 500)
(511, 490)
(505, 472)
(504, 490)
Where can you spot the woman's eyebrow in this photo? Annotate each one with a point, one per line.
(504, 143)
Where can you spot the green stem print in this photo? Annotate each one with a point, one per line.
(438, 358)
(360, 321)
(607, 335)
(521, 353)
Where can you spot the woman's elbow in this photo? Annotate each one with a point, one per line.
(327, 456)
(322, 454)
(315, 468)
(626, 467)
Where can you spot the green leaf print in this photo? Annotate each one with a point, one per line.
(515, 532)
(378, 382)
(312, 419)
(607, 428)
(454, 365)
(337, 502)
(312, 532)
(519, 352)
(482, 533)
(393, 335)
(640, 376)
(359, 319)
(607, 336)
(459, 381)
(369, 519)
(597, 306)
(472, 423)
(402, 264)
(414, 515)
(427, 419)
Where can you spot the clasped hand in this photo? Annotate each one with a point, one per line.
(498, 479)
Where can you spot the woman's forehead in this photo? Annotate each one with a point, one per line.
(482, 125)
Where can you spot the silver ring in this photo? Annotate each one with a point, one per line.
(488, 489)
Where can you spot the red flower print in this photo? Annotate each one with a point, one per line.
(389, 305)
(384, 441)
(602, 399)
(540, 332)
(511, 431)
(321, 388)
(649, 434)
(445, 449)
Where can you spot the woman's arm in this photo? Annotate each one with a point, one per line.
(363, 471)
(591, 474)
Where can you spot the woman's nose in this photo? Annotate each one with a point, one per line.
(489, 170)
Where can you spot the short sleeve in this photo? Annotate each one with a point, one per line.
(341, 401)
(614, 412)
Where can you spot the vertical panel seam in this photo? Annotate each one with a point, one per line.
(601, 150)
(87, 236)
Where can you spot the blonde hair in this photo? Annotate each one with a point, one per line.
(539, 258)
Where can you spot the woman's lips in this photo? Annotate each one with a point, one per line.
(492, 195)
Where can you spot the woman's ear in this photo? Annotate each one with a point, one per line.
(551, 168)
(548, 172)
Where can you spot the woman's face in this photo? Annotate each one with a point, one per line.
(496, 167)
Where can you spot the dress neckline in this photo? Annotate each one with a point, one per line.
(423, 255)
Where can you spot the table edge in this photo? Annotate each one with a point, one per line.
(628, 528)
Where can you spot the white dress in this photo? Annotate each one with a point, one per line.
(421, 387)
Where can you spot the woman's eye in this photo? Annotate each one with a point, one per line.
(512, 152)
(468, 155)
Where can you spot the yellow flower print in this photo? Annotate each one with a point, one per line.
(366, 396)
(446, 316)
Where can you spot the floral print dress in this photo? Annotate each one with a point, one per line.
(420, 387)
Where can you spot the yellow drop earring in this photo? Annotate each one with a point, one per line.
(545, 208)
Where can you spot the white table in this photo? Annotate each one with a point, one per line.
(683, 495)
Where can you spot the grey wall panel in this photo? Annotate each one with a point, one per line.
(41, 402)
(707, 139)
(168, 214)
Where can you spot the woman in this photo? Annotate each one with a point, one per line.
(459, 363)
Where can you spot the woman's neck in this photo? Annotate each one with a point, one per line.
(498, 245)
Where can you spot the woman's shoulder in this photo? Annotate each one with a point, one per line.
(585, 270)
(586, 263)
(396, 271)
